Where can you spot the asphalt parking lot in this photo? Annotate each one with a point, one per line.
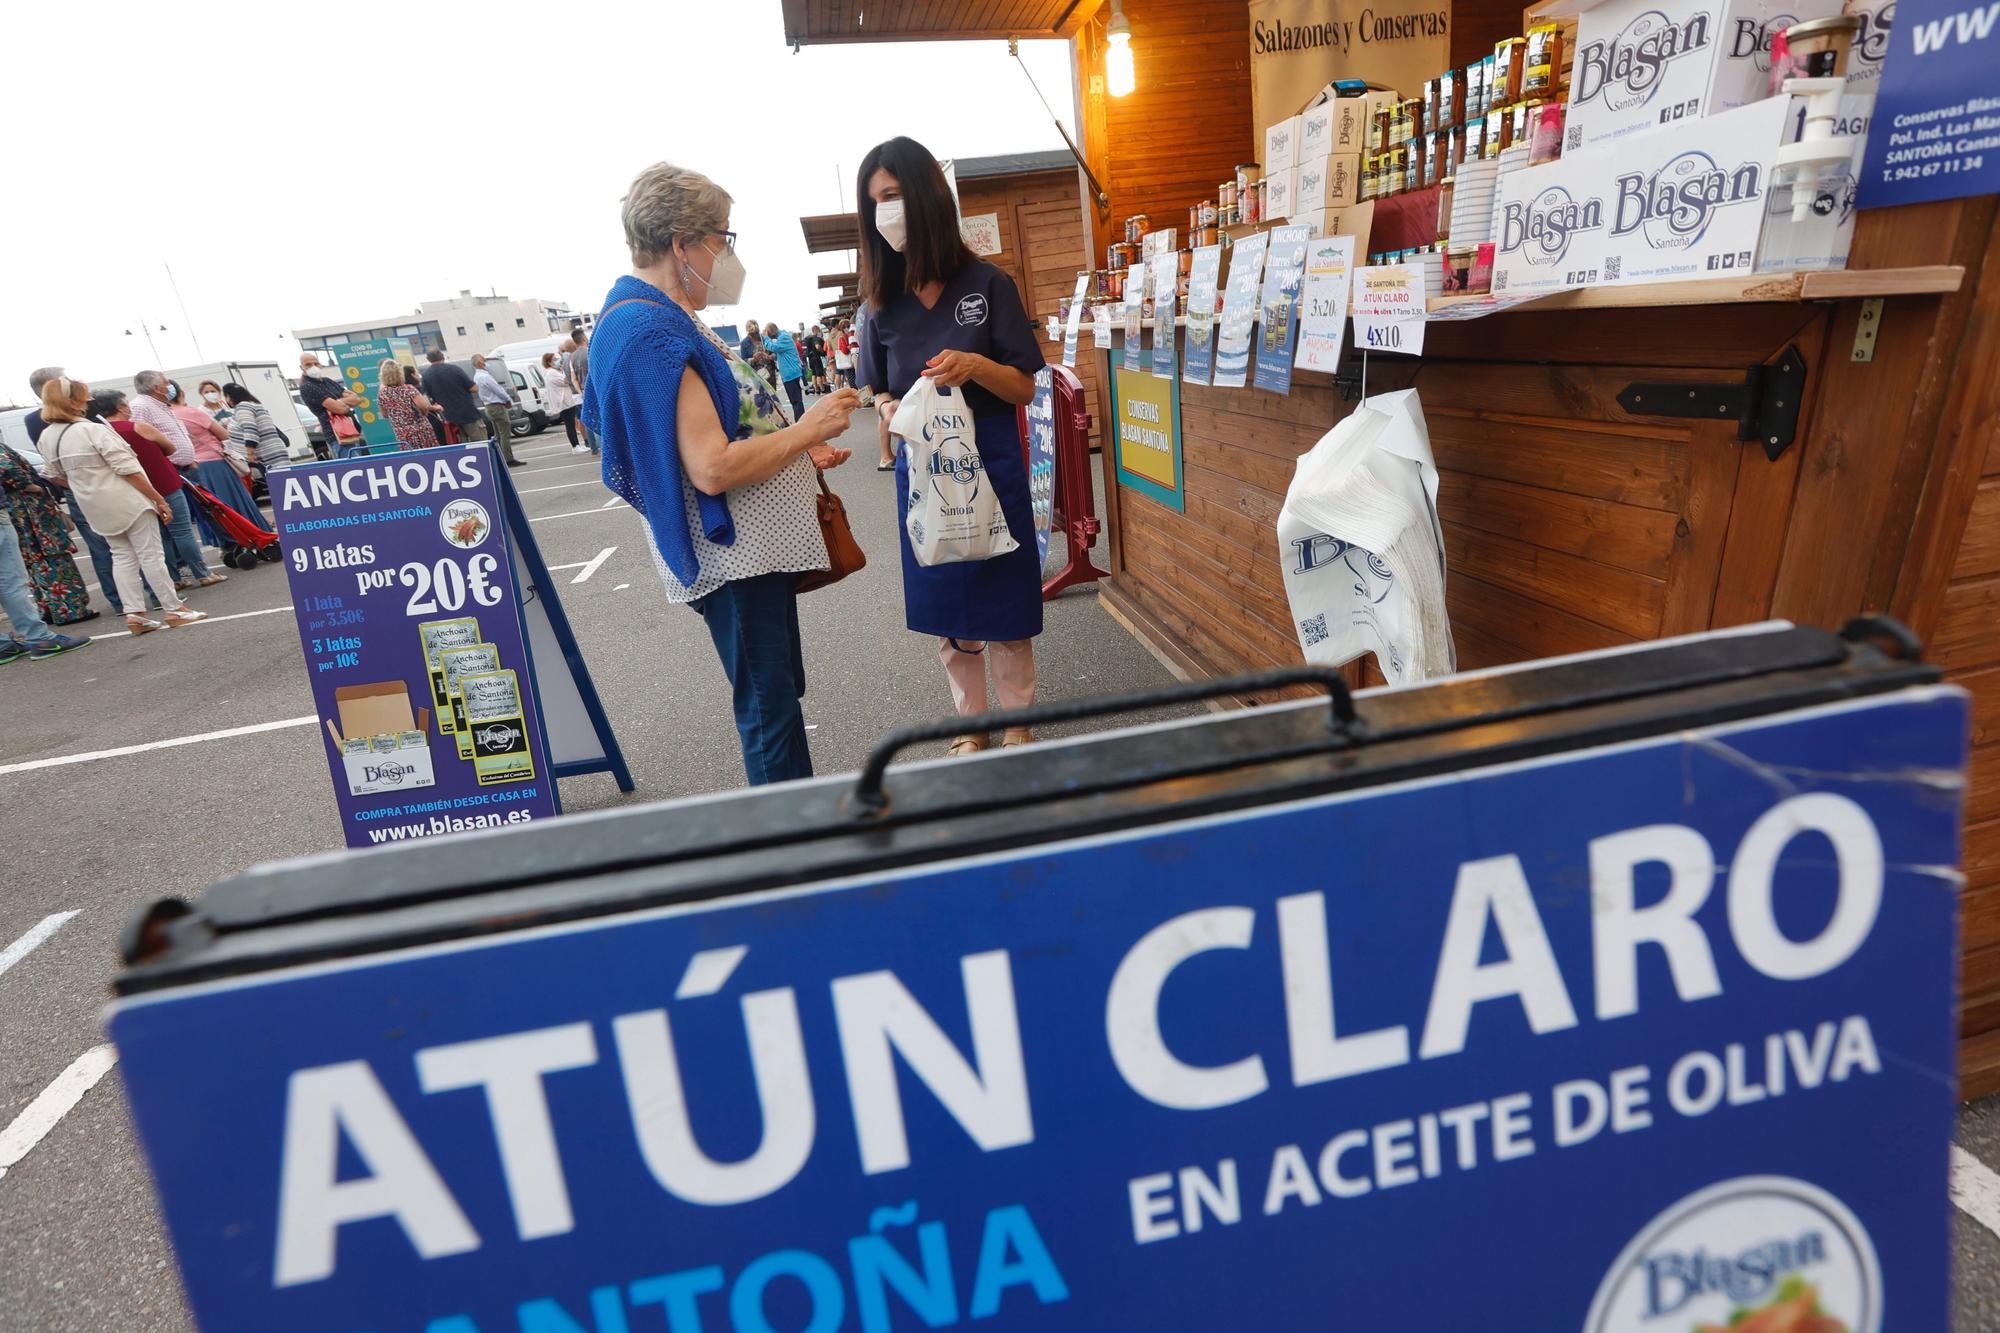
(138, 768)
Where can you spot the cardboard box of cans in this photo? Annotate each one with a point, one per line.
(1682, 201)
(1642, 64)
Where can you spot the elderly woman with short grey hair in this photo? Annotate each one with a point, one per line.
(696, 442)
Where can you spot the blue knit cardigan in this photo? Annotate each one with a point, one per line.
(638, 354)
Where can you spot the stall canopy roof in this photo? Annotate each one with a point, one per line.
(831, 231)
(839, 231)
(813, 22)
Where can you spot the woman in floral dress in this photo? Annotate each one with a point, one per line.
(404, 407)
(45, 545)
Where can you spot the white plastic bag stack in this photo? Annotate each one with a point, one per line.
(1361, 546)
(951, 512)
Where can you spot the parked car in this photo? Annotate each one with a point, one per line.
(321, 446)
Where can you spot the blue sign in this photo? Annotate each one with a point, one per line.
(1647, 1037)
(1041, 417)
(404, 589)
(1936, 128)
(1278, 313)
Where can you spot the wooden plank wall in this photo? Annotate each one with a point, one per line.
(1569, 525)
(1041, 248)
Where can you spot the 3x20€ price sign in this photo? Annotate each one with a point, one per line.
(1389, 308)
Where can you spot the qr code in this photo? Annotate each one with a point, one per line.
(1574, 138)
(1614, 267)
(1313, 632)
(1500, 281)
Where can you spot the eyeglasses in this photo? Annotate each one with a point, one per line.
(728, 242)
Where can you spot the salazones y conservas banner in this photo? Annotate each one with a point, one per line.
(1298, 46)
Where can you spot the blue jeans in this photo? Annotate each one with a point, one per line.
(755, 625)
(17, 594)
(183, 547)
(100, 554)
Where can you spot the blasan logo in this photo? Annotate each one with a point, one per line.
(1673, 206)
(958, 461)
(392, 772)
(1752, 39)
(1627, 67)
(1872, 42)
(499, 736)
(1768, 1246)
(1543, 226)
(971, 310)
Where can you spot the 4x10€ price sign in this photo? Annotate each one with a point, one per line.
(1389, 308)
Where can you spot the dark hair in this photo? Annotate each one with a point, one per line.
(435, 355)
(180, 394)
(237, 395)
(935, 251)
(105, 402)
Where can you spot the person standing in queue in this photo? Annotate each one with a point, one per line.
(931, 310)
(696, 442)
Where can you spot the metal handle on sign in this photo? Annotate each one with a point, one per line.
(868, 800)
(1880, 629)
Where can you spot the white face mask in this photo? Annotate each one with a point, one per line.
(724, 282)
(889, 221)
(322, 373)
(211, 398)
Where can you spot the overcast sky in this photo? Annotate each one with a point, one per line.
(300, 166)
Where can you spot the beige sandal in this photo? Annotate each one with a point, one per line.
(143, 624)
(185, 616)
(964, 745)
(1017, 736)
(212, 580)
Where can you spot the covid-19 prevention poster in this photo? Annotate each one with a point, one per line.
(404, 592)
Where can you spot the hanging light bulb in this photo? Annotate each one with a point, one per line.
(1119, 76)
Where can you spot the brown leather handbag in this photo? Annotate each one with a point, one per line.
(843, 554)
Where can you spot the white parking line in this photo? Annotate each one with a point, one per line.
(591, 566)
(26, 945)
(255, 728)
(613, 501)
(1975, 1188)
(578, 513)
(212, 620)
(563, 486)
(53, 1103)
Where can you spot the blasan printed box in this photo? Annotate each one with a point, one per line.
(1644, 64)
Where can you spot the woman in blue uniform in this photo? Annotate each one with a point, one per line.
(930, 309)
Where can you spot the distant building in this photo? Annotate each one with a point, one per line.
(460, 326)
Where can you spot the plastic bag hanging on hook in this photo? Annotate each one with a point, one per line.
(1361, 546)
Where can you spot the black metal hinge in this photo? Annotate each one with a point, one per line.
(1765, 406)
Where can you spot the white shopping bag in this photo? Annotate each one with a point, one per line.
(951, 512)
(1361, 546)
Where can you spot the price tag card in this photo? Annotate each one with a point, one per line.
(1323, 319)
(1076, 303)
(1199, 363)
(1166, 282)
(1100, 326)
(1135, 317)
(1389, 308)
(1284, 269)
(1239, 310)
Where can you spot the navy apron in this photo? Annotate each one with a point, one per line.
(979, 600)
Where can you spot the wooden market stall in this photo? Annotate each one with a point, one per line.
(1575, 515)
